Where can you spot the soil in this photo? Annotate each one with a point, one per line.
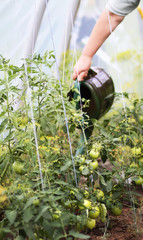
(127, 226)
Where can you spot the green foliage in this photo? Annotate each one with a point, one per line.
(56, 210)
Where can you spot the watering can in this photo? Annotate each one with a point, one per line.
(98, 89)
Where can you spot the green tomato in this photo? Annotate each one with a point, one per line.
(82, 160)
(86, 194)
(90, 223)
(134, 165)
(23, 120)
(3, 196)
(140, 160)
(56, 215)
(72, 195)
(103, 212)
(94, 212)
(140, 118)
(81, 168)
(94, 165)
(99, 195)
(97, 146)
(136, 151)
(85, 204)
(116, 210)
(36, 202)
(139, 181)
(18, 167)
(94, 154)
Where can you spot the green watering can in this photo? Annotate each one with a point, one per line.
(98, 88)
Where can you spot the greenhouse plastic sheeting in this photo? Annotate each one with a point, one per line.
(16, 19)
(125, 43)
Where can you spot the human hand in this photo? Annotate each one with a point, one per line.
(81, 68)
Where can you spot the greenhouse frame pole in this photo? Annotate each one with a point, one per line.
(34, 29)
(36, 22)
(73, 8)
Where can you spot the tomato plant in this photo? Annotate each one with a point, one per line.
(50, 190)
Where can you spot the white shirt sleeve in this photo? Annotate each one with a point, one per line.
(122, 7)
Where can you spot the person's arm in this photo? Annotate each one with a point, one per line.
(99, 34)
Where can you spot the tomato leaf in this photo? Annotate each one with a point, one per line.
(78, 235)
(66, 166)
(11, 215)
(27, 216)
(3, 124)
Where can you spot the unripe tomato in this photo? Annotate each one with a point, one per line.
(140, 118)
(85, 204)
(82, 160)
(56, 215)
(18, 167)
(94, 154)
(36, 202)
(94, 165)
(90, 223)
(86, 194)
(23, 120)
(136, 151)
(141, 160)
(3, 196)
(99, 195)
(97, 146)
(72, 194)
(139, 181)
(103, 212)
(134, 165)
(131, 120)
(81, 168)
(94, 212)
(116, 210)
